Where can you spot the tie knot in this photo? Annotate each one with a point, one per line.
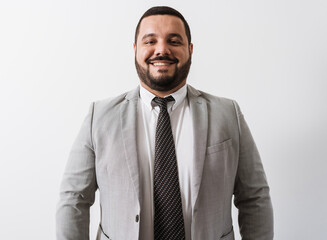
(162, 102)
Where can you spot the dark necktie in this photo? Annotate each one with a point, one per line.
(168, 212)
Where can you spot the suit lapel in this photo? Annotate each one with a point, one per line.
(199, 113)
(128, 116)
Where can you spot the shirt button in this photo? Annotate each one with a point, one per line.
(137, 218)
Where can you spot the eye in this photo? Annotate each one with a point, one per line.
(175, 42)
(149, 42)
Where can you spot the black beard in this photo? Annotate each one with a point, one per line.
(164, 83)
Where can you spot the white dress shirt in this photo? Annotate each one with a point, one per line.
(182, 128)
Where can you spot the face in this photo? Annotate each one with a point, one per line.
(162, 53)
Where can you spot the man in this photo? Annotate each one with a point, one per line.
(154, 188)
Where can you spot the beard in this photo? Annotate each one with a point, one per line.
(163, 83)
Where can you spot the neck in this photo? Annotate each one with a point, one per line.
(163, 93)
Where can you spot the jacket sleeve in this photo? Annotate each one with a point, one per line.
(78, 186)
(251, 192)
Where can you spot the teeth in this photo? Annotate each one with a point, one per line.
(161, 64)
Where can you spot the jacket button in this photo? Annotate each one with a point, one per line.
(137, 218)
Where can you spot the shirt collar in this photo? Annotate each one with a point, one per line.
(147, 97)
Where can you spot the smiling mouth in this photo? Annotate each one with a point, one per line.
(161, 61)
(161, 64)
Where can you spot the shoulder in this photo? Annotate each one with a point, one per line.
(212, 101)
(109, 108)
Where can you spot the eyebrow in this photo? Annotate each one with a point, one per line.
(170, 36)
(149, 35)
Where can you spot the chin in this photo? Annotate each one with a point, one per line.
(159, 76)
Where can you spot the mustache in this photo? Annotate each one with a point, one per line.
(149, 60)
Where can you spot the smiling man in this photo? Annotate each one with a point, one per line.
(166, 158)
(162, 53)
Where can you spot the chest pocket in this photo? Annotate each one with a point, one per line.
(219, 146)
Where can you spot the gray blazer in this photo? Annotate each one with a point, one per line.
(226, 163)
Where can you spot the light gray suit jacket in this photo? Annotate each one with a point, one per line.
(226, 163)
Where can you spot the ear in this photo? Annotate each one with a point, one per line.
(191, 48)
(134, 47)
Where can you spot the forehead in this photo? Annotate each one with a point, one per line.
(161, 25)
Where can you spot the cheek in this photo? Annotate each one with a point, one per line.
(144, 54)
(182, 60)
(182, 54)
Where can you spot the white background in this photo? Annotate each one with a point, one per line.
(56, 57)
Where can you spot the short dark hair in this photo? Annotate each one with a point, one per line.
(163, 10)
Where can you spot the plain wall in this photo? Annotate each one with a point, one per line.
(56, 57)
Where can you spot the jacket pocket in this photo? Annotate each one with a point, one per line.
(228, 236)
(219, 146)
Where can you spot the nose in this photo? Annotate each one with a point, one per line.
(162, 49)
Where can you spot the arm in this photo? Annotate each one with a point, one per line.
(251, 192)
(77, 191)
